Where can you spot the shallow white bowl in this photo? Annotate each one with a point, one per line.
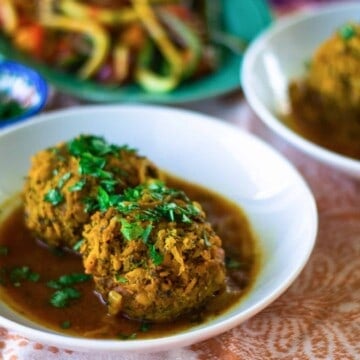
(279, 204)
(279, 55)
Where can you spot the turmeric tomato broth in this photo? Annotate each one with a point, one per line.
(27, 267)
(343, 140)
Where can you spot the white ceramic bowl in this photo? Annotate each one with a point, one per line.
(279, 204)
(279, 55)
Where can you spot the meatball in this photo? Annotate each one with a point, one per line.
(153, 256)
(72, 180)
(335, 67)
(328, 98)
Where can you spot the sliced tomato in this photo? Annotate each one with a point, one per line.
(30, 38)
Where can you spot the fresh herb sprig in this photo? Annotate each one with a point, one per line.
(164, 203)
(149, 204)
(347, 32)
(92, 153)
(22, 273)
(65, 291)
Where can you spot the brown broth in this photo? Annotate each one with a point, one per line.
(331, 140)
(87, 315)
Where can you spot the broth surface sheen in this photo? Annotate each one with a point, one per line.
(87, 316)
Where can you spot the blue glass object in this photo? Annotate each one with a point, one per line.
(24, 86)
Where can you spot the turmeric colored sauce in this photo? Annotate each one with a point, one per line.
(86, 316)
(341, 142)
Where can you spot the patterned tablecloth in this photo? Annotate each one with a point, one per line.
(318, 317)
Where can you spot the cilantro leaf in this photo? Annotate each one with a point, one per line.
(131, 230)
(62, 297)
(54, 197)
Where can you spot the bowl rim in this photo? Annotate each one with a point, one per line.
(37, 81)
(329, 157)
(193, 335)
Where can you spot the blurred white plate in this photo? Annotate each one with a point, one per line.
(279, 204)
(278, 56)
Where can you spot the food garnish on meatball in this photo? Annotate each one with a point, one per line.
(72, 180)
(152, 254)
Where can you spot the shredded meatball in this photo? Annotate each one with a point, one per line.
(153, 256)
(328, 98)
(72, 180)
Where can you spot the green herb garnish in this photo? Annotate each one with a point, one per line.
(68, 280)
(77, 246)
(78, 186)
(206, 239)
(94, 145)
(61, 298)
(92, 152)
(233, 264)
(64, 291)
(121, 279)
(144, 327)
(54, 197)
(23, 273)
(65, 324)
(161, 203)
(63, 180)
(156, 257)
(127, 336)
(347, 32)
(131, 230)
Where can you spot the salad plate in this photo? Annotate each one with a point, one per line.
(242, 19)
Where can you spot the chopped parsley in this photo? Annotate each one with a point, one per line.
(54, 197)
(206, 239)
(233, 264)
(127, 336)
(63, 180)
(61, 298)
(166, 203)
(121, 279)
(65, 292)
(22, 273)
(92, 153)
(145, 326)
(151, 203)
(78, 186)
(65, 324)
(347, 32)
(131, 230)
(68, 280)
(94, 145)
(156, 257)
(77, 246)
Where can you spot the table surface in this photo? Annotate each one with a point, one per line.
(318, 317)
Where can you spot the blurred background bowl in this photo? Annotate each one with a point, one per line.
(241, 21)
(279, 55)
(23, 92)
